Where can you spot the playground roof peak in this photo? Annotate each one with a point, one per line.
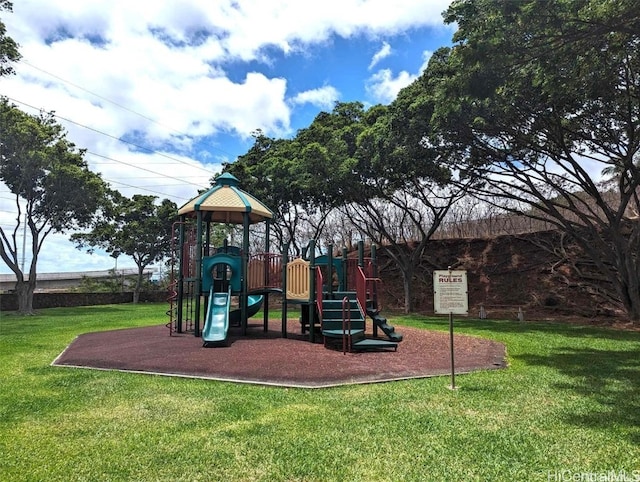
(225, 202)
(227, 179)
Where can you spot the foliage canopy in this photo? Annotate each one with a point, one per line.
(542, 99)
(53, 187)
(136, 227)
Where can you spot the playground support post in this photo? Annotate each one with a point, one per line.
(329, 280)
(344, 280)
(265, 310)
(198, 280)
(207, 239)
(181, 261)
(244, 298)
(285, 261)
(312, 289)
(374, 274)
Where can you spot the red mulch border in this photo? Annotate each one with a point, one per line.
(268, 359)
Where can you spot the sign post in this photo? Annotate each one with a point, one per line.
(450, 295)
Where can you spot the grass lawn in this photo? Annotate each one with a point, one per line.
(568, 405)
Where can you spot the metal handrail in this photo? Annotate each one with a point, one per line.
(367, 288)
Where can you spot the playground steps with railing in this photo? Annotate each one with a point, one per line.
(378, 320)
(381, 322)
(332, 323)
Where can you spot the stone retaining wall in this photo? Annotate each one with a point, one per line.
(9, 302)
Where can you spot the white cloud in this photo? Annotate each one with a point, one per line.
(383, 53)
(324, 97)
(167, 60)
(181, 77)
(384, 86)
(426, 56)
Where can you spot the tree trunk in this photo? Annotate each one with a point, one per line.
(629, 289)
(138, 287)
(136, 290)
(407, 283)
(634, 311)
(24, 292)
(618, 260)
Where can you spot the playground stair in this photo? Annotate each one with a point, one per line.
(332, 324)
(381, 322)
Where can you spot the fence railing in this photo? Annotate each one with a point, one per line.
(264, 271)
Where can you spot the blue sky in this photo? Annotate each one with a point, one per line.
(186, 83)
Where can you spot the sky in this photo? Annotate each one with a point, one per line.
(161, 93)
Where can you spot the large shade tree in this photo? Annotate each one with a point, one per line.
(8, 47)
(542, 100)
(137, 227)
(396, 188)
(53, 189)
(296, 177)
(267, 172)
(305, 178)
(361, 165)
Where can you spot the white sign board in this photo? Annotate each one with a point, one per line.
(450, 294)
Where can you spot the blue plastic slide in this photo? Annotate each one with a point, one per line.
(216, 324)
(254, 303)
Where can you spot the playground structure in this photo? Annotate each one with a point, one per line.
(335, 294)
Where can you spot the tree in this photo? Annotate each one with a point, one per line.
(53, 187)
(398, 191)
(358, 163)
(275, 171)
(8, 47)
(401, 223)
(541, 99)
(138, 227)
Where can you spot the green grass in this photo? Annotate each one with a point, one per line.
(567, 404)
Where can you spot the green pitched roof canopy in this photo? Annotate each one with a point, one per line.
(226, 203)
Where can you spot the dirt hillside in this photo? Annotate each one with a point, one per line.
(539, 273)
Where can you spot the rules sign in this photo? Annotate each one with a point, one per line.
(450, 292)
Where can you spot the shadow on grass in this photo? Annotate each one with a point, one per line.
(609, 379)
(76, 311)
(524, 327)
